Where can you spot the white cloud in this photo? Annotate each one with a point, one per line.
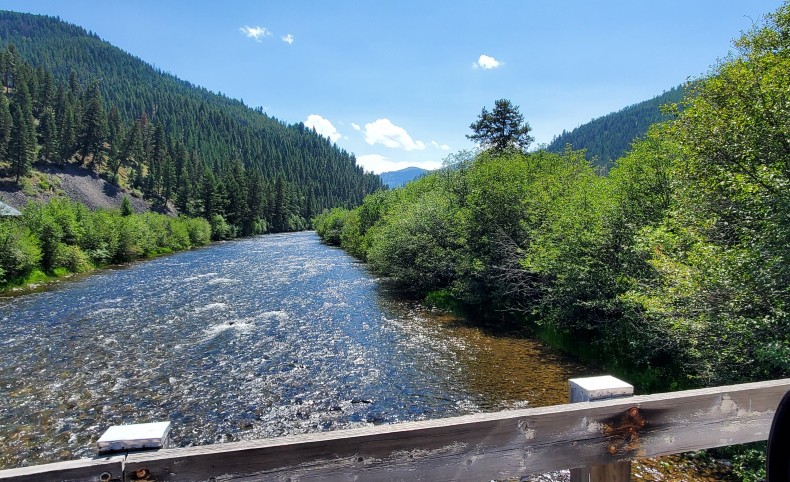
(383, 131)
(485, 62)
(378, 163)
(255, 32)
(322, 126)
(289, 39)
(443, 147)
(355, 126)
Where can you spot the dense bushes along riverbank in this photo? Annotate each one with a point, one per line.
(672, 271)
(675, 267)
(63, 237)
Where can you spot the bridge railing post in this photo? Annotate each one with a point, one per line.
(600, 388)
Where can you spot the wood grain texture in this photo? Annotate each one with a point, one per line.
(488, 446)
(475, 447)
(83, 470)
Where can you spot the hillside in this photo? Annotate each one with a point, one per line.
(172, 141)
(400, 177)
(77, 183)
(609, 137)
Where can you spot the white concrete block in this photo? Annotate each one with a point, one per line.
(598, 388)
(134, 437)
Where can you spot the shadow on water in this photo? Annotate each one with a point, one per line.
(504, 366)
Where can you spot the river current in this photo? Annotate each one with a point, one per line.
(262, 337)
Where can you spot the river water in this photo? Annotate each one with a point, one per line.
(262, 337)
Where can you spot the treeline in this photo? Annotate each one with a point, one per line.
(675, 267)
(89, 102)
(63, 237)
(608, 138)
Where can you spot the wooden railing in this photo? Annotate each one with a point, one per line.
(474, 447)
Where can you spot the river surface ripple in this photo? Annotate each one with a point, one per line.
(262, 337)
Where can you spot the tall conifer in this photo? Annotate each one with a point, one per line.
(94, 126)
(6, 126)
(23, 141)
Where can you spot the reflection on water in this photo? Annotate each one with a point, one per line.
(262, 337)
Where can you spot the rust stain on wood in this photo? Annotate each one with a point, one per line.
(622, 431)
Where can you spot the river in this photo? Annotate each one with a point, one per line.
(261, 337)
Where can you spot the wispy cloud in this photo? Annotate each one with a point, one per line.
(486, 62)
(256, 33)
(378, 163)
(322, 126)
(289, 39)
(355, 126)
(384, 132)
(443, 147)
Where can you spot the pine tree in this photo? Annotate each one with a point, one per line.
(22, 95)
(131, 154)
(280, 215)
(168, 182)
(501, 130)
(23, 141)
(208, 192)
(156, 161)
(48, 131)
(114, 132)
(126, 207)
(94, 127)
(11, 59)
(46, 90)
(74, 84)
(64, 119)
(6, 125)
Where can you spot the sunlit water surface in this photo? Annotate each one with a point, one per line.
(262, 337)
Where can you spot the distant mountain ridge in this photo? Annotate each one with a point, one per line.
(400, 177)
(609, 137)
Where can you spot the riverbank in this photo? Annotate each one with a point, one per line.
(687, 467)
(62, 237)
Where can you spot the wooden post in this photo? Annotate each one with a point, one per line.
(589, 390)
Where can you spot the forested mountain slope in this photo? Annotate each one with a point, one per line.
(170, 139)
(609, 137)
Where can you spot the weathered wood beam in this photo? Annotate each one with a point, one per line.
(82, 470)
(474, 447)
(491, 445)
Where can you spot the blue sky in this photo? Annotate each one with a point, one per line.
(398, 82)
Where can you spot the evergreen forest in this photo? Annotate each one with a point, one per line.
(608, 138)
(71, 98)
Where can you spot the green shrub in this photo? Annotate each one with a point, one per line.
(72, 258)
(20, 252)
(220, 229)
(329, 225)
(198, 230)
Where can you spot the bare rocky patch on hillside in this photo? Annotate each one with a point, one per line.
(76, 183)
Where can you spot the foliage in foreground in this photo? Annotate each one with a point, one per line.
(65, 237)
